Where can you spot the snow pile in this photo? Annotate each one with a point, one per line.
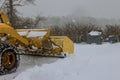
(94, 33)
(90, 62)
(32, 34)
(22, 33)
(36, 34)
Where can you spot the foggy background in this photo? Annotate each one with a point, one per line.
(64, 17)
(93, 8)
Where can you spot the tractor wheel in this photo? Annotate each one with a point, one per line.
(9, 59)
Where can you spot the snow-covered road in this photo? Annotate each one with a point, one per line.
(27, 62)
(90, 62)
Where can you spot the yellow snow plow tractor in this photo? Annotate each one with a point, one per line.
(28, 42)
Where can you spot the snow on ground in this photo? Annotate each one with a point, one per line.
(27, 62)
(90, 62)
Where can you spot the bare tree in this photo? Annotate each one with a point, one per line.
(112, 30)
(10, 7)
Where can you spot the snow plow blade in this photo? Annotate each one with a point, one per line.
(42, 44)
(65, 42)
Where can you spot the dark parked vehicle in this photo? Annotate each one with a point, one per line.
(94, 37)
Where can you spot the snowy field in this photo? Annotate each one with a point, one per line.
(90, 62)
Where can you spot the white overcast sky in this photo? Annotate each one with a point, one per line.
(94, 8)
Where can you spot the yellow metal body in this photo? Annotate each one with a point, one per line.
(63, 41)
(6, 29)
(4, 18)
(32, 40)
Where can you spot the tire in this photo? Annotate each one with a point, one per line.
(9, 58)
